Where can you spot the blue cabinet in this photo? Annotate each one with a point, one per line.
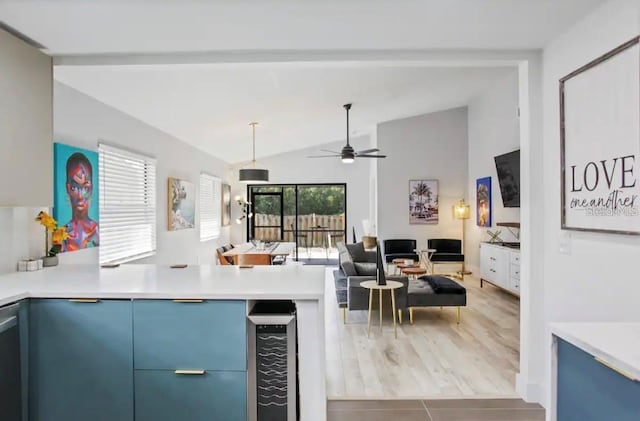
(587, 390)
(171, 335)
(81, 360)
(162, 395)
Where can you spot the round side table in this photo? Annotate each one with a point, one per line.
(425, 257)
(390, 286)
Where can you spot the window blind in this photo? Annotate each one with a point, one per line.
(127, 205)
(210, 207)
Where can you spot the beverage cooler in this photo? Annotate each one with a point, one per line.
(272, 377)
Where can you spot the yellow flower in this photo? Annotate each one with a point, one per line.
(59, 235)
(46, 220)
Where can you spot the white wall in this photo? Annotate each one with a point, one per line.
(22, 237)
(25, 124)
(597, 280)
(494, 129)
(295, 167)
(81, 121)
(429, 146)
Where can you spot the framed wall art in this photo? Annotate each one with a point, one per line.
(483, 202)
(75, 174)
(423, 202)
(226, 205)
(600, 143)
(182, 205)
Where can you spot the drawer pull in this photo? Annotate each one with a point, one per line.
(617, 370)
(492, 258)
(190, 372)
(188, 301)
(84, 300)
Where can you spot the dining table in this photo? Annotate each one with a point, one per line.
(274, 249)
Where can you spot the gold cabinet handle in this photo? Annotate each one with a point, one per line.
(190, 372)
(188, 301)
(616, 369)
(84, 300)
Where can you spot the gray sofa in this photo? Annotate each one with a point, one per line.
(355, 266)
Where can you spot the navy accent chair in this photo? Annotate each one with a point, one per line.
(400, 249)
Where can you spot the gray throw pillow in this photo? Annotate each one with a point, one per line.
(346, 262)
(357, 252)
(366, 269)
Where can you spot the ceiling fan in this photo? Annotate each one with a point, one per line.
(348, 154)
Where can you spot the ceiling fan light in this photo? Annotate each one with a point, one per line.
(347, 160)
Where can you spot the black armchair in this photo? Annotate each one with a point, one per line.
(400, 249)
(447, 250)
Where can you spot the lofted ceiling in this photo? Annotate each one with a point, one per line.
(210, 106)
(298, 106)
(118, 26)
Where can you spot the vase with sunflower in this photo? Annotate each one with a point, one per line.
(52, 234)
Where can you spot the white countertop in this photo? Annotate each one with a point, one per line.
(296, 282)
(615, 343)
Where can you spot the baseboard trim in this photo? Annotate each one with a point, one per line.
(529, 391)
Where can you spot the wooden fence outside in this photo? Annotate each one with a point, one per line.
(332, 223)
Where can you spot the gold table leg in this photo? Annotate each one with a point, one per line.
(393, 306)
(380, 306)
(410, 315)
(370, 305)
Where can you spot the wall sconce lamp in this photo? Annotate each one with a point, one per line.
(246, 209)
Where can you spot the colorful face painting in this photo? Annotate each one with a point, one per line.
(76, 195)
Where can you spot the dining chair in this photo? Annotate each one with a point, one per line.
(223, 260)
(254, 259)
(299, 237)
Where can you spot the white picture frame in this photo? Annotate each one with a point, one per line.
(600, 143)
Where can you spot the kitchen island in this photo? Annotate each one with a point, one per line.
(138, 292)
(594, 372)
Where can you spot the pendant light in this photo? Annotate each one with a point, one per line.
(253, 174)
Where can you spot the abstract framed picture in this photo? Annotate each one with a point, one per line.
(226, 205)
(182, 205)
(75, 202)
(483, 202)
(423, 202)
(600, 143)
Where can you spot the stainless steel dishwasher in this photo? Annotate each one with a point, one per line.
(10, 382)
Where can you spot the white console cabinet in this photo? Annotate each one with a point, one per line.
(500, 266)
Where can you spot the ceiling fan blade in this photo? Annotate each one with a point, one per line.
(323, 156)
(326, 150)
(371, 156)
(366, 151)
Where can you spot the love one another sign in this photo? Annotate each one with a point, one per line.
(600, 128)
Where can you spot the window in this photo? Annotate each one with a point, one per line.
(127, 205)
(210, 204)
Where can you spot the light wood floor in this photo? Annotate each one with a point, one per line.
(432, 358)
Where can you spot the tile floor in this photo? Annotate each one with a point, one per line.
(434, 410)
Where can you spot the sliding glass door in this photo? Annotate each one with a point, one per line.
(311, 215)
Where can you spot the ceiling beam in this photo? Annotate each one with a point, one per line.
(338, 58)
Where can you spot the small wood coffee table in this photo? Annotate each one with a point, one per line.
(399, 264)
(390, 286)
(413, 271)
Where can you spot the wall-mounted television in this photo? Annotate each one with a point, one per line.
(508, 167)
